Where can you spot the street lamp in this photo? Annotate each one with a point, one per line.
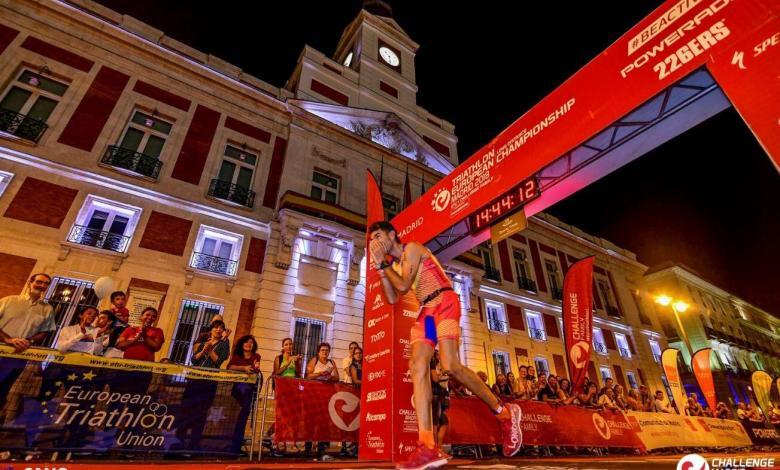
(678, 307)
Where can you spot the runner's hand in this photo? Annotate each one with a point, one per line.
(378, 252)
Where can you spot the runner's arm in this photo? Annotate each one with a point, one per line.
(410, 263)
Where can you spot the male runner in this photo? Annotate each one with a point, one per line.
(415, 267)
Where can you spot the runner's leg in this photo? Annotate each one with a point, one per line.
(448, 351)
(419, 366)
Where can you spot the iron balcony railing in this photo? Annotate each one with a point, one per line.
(131, 160)
(537, 334)
(612, 311)
(526, 284)
(84, 235)
(492, 274)
(228, 191)
(600, 348)
(557, 293)
(213, 264)
(624, 352)
(498, 325)
(21, 125)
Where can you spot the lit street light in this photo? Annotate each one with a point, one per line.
(678, 307)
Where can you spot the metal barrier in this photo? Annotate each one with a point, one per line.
(268, 386)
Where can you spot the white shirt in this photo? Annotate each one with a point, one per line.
(20, 317)
(70, 339)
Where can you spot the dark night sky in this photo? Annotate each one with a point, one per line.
(710, 198)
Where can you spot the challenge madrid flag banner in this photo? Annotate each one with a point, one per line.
(669, 361)
(762, 387)
(702, 369)
(578, 318)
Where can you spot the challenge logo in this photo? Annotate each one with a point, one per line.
(693, 462)
(376, 396)
(601, 426)
(351, 403)
(376, 417)
(579, 354)
(441, 200)
(376, 375)
(372, 323)
(377, 337)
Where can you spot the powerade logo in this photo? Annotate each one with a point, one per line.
(376, 375)
(376, 396)
(376, 417)
(376, 355)
(378, 336)
(373, 322)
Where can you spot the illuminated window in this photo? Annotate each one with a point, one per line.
(542, 366)
(105, 224)
(501, 362)
(622, 344)
(632, 379)
(5, 180)
(598, 341)
(325, 187)
(606, 373)
(216, 251)
(535, 325)
(496, 317)
(28, 103)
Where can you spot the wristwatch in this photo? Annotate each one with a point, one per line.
(383, 265)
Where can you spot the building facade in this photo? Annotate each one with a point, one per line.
(202, 190)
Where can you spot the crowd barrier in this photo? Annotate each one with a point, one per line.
(89, 404)
(316, 411)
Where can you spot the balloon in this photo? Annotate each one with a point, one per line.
(103, 287)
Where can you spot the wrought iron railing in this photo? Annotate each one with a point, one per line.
(213, 264)
(84, 235)
(21, 125)
(498, 325)
(600, 348)
(228, 191)
(492, 274)
(537, 334)
(131, 160)
(526, 284)
(624, 352)
(557, 293)
(612, 311)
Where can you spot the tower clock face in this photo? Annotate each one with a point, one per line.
(389, 56)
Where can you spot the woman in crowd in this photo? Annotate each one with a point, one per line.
(214, 351)
(82, 337)
(245, 357)
(287, 364)
(722, 411)
(356, 368)
(501, 388)
(512, 381)
(632, 401)
(568, 397)
(589, 397)
(522, 386)
(620, 397)
(141, 342)
(322, 367)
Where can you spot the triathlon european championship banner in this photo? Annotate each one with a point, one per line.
(578, 318)
(78, 401)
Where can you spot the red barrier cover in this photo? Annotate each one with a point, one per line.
(543, 424)
(308, 410)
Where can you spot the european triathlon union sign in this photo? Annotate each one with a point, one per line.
(75, 401)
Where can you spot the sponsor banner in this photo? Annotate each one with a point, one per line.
(659, 430)
(667, 45)
(578, 318)
(702, 369)
(471, 422)
(89, 403)
(669, 362)
(405, 433)
(762, 387)
(762, 434)
(311, 410)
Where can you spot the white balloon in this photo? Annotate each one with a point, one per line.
(103, 287)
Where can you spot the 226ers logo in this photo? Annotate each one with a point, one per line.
(441, 200)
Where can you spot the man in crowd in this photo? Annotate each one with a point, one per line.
(607, 399)
(550, 392)
(83, 337)
(143, 341)
(659, 406)
(608, 383)
(645, 399)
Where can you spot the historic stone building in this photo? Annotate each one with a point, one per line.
(201, 190)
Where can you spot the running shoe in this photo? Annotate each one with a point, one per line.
(511, 433)
(424, 458)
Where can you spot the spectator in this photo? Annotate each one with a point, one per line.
(346, 363)
(707, 412)
(205, 332)
(659, 406)
(693, 407)
(607, 400)
(522, 386)
(82, 337)
(741, 411)
(483, 377)
(105, 323)
(565, 386)
(531, 374)
(355, 370)
(633, 402)
(288, 364)
(441, 398)
(27, 319)
(754, 414)
(245, 357)
(121, 323)
(213, 351)
(645, 399)
(322, 367)
(141, 342)
(512, 381)
(589, 397)
(551, 393)
(722, 411)
(608, 383)
(501, 388)
(774, 414)
(620, 397)
(118, 305)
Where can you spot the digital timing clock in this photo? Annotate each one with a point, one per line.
(504, 205)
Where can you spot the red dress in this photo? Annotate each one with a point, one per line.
(139, 350)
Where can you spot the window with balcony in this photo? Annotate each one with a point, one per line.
(139, 149)
(501, 362)
(216, 251)
(391, 204)
(325, 187)
(622, 344)
(553, 279)
(235, 178)
(606, 373)
(598, 341)
(632, 380)
(535, 325)
(607, 299)
(542, 366)
(307, 335)
(496, 317)
(105, 224)
(28, 103)
(194, 319)
(5, 180)
(491, 271)
(524, 280)
(655, 349)
(68, 298)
